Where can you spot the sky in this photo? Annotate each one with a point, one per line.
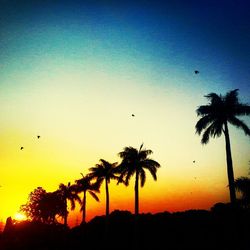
(74, 72)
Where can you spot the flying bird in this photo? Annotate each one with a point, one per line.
(133, 115)
(21, 148)
(194, 161)
(38, 136)
(196, 72)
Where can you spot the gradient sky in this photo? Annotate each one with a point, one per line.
(74, 72)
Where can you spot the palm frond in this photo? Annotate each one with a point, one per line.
(242, 185)
(214, 98)
(142, 176)
(203, 110)
(150, 163)
(152, 170)
(231, 98)
(203, 123)
(94, 169)
(122, 171)
(93, 195)
(216, 128)
(240, 124)
(242, 109)
(129, 174)
(72, 204)
(104, 163)
(206, 134)
(128, 153)
(78, 199)
(95, 187)
(115, 177)
(141, 147)
(143, 154)
(73, 188)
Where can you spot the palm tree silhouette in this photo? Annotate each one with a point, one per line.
(104, 171)
(68, 192)
(214, 120)
(85, 185)
(242, 185)
(134, 162)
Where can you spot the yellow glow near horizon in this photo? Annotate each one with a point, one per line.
(84, 118)
(19, 217)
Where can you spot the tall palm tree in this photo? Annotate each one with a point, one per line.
(104, 171)
(68, 192)
(214, 121)
(242, 185)
(85, 185)
(135, 161)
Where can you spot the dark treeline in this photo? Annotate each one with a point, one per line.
(221, 228)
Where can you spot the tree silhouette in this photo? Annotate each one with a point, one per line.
(51, 205)
(134, 162)
(31, 208)
(43, 206)
(104, 171)
(68, 192)
(85, 185)
(242, 185)
(214, 120)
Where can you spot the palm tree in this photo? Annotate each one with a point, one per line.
(134, 162)
(104, 171)
(68, 192)
(85, 185)
(242, 185)
(214, 121)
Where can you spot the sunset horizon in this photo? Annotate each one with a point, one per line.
(82, 80)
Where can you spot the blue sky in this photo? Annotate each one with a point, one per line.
(158, 38)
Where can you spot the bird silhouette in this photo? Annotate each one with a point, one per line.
(21, 148)
(38, 136)
(194, 161)
(196, 72)
(133, 115)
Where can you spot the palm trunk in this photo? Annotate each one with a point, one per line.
(107, 198)
(84, 208)
(136, 208)
(65, 214)
(106, 230)
(66, 219)
(230, 171)
(136, 193)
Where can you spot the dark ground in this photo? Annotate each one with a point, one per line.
(220, 228)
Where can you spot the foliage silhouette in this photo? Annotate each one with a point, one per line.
(31, 208)
(85, 185)
(43, 206)
(104, 171)
(68, 192)
(134, 161)
(192, 229)
(214, 121)
(242, 185)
